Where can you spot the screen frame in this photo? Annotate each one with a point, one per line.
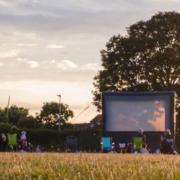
(166, 94)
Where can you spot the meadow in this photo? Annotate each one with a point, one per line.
(88, 166)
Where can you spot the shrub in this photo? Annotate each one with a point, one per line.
(5, 127)
(87, 140)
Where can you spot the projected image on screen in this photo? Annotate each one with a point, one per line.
(130, 115)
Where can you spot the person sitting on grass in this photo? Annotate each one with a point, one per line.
(144, 149)
(167, 143)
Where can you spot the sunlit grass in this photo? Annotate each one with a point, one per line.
(88, 166)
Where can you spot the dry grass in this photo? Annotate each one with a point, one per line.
(88, 166)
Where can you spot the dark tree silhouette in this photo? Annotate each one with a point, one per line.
(147, 58)
(50, 113)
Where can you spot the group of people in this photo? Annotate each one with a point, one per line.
(14, 142)
(166, 144)
(139, 144)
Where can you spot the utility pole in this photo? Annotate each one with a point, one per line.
(9, 98)
(59, 119)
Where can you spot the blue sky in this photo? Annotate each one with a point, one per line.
(49, 47)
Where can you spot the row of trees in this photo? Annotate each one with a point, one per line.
(48, 116)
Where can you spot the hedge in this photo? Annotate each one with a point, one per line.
(88, 140)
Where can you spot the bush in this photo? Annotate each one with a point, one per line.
(28, 122)
(87, 140)
(5, 127)
(178, 142)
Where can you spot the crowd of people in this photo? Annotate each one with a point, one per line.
(166, 143)
(139, 144)
(13, 141)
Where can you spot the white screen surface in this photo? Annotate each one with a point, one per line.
(131, 115)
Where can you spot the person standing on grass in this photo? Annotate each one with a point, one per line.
(12, 139)
(167, 143)
(138, 141)
(3, 142)
(23, 141)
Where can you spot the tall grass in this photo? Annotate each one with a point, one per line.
(88, 166)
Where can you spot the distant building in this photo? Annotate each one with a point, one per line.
(81, 126)
(95, 123)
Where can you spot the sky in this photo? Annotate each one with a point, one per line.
(50, 47)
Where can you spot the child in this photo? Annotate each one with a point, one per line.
(144, 149)
(23, 141)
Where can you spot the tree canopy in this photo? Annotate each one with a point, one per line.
(16, 113)
(49, 114)
(147, 58)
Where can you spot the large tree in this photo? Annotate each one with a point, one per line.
(15, 113)
(18, 116)
(3, 115)
(49, 114)
(29, 122)
(146, 58)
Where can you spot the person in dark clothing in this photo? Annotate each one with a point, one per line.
(3, 142)
(167, 143)
(129, 148)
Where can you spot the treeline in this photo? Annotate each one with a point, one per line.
(48, 117)
(42, 129)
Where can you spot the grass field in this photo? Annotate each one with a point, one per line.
(88, 166)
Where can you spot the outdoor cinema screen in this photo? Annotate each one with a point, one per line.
(132, 111)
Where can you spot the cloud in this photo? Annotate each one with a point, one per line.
(55, 46)
(32, 94)
(52, 62)
(90, 67)
(26, 44)
(9, 53)
(5, 3)
(66, 64)
(19, 59)
(52, 66)
(33, 64)
(83, 15)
